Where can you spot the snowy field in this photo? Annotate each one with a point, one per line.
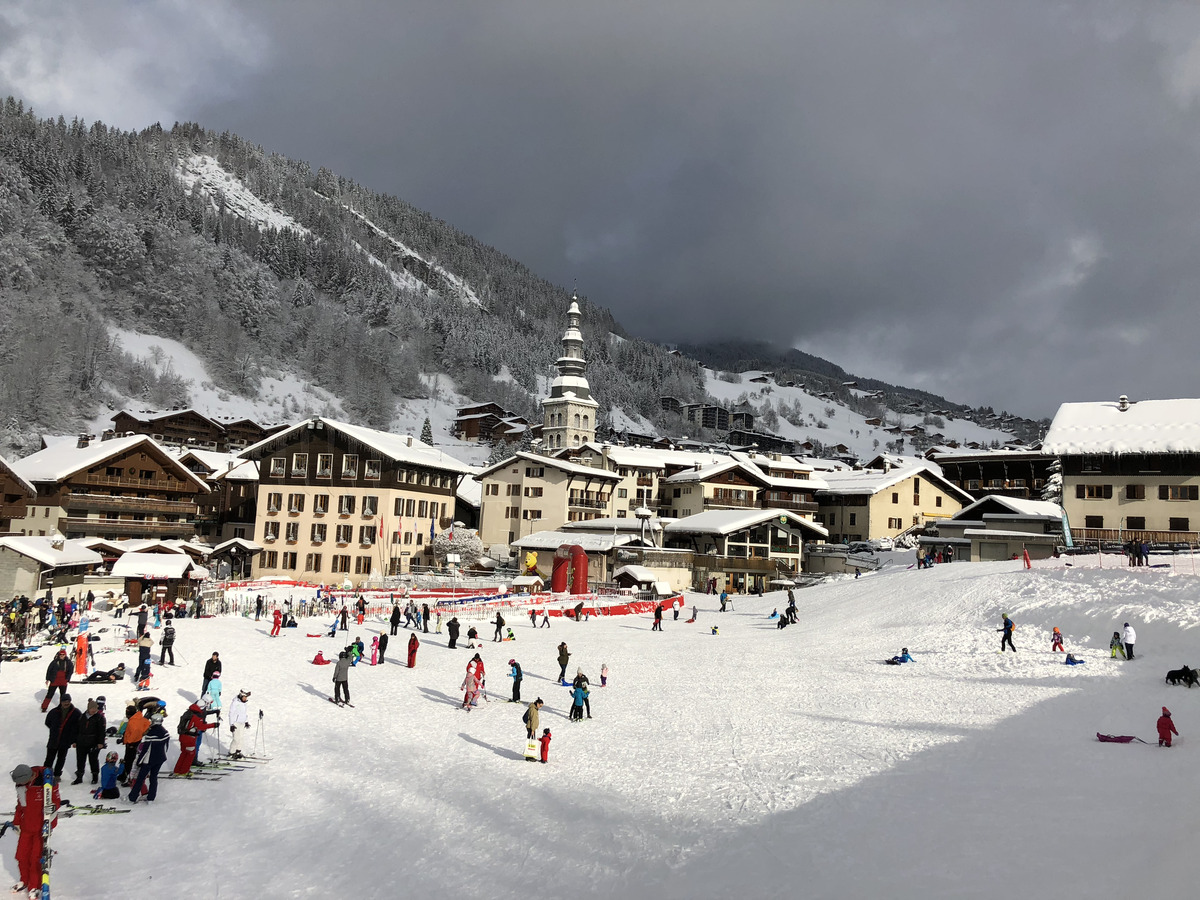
(755, 763)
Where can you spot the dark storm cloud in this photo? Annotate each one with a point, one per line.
(995, 201)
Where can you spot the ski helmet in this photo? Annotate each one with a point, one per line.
(112, 757)
(22, 774)
(157, 718)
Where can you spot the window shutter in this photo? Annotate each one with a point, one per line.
(1108, 492)
(1163, 492)
(1079, 492)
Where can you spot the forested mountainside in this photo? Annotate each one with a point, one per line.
(261, 264)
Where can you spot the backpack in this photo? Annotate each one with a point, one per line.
(525, 718)
(500, 619)
(183, 722)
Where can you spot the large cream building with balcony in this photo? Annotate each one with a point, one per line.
(339, 502)
(1130, 470)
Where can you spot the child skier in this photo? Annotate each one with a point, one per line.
(545, 742)
(1166, 728)
(1115, 645)
(1056, 641)
(110, 773)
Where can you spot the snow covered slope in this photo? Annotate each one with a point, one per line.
(206, 174)
(845, 426)
(753, 763)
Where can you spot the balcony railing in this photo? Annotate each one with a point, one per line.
(793, 505)
(643, 481)
(102, 527)
(147, 504)
(587, 504)
(730, 503)
(1080, 535)
(735, 563)
(140, 484)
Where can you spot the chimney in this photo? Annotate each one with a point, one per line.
(107, 435)
(410, 440)
(82, 442)
(1122, 403)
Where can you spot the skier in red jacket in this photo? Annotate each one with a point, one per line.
(277, 621)
(1166, 728)
(28, 820)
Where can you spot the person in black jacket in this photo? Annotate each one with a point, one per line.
(213, 665)
(499, 623)
(63, 724)
(152, 753)
(452, 627)
(258, 606)
(395, 617)
(167, 642)
(383, 642)
(425, 617)
(143, 617)
(89, 741)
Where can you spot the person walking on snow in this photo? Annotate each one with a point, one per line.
(516, 675)
(658, 613)
(1129, 637)
(62, 723)
(167, 643)
(212, 665)
(395, 617)
(1008, 630)
(499, 623)
(1166, 728)
(413, 644)
(1116, 646)
(604, 675)
(58, 676)
(1056, 640)
(544, 740)
(239, 721)
(383, 642)
(531, 718)
(452, 628)
(425, 618)
(375, 650)
(89, 741)
(276, 622)
(564, 657)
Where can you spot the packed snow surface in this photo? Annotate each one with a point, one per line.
(753, 763)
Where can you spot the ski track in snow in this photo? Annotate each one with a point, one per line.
(758, 762)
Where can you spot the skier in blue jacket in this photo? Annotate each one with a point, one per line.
(901, 659)
(578, 694)
(516, 675)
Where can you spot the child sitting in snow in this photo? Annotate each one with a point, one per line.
(901, 659)
(1073, 661)
(1056, 640)
(714, 630)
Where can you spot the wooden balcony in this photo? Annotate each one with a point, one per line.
(730, 503)
(138, 484)
(791, 505)
(139, 504)
(581, 503)
(1112, 535)
(124, 527)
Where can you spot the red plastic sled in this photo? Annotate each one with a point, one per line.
(1117, 738)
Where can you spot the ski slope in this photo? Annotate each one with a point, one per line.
(754, 763)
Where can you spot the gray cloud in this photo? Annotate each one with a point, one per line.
(995, 201)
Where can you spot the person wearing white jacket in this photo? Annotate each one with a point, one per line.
(1129, 637)
(239, 721)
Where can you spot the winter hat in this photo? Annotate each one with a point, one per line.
(22, 774)
(243, 693)
(1126, 625)
(1166, 712)
(157, 718)
(66, 698)
(512, 662)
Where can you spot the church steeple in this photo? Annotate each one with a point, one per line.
(570, 411)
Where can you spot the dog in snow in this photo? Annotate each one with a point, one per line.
(1187, 676)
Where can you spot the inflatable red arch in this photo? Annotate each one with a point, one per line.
(570, 558)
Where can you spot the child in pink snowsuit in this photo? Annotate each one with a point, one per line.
(374, 649)
(1166, 728)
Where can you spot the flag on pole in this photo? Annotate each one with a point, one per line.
(399, 529)
(432, 528)
(381, 528)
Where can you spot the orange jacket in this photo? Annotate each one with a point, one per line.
(136, 728)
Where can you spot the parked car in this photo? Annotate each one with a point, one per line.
(883, 543)
(861, 547)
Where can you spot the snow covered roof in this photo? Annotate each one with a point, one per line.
(553, 462)
(727, 521)
(654, 457)
(1039, 508)
(153, 415)
(703, 473)
(24, 485)
(60, 461)
(397, 447)
(528, 580)
(241, 544)
(609, 524)
(470, 490)
(1148, 426)
(41, 549)
(872, 481)
(640, 574)
(592, 543)
(152, 565)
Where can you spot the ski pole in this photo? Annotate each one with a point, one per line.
(264, 731)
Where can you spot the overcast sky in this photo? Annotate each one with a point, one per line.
(996, 201)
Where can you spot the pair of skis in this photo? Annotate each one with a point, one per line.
(341, 703)
(90, 809)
